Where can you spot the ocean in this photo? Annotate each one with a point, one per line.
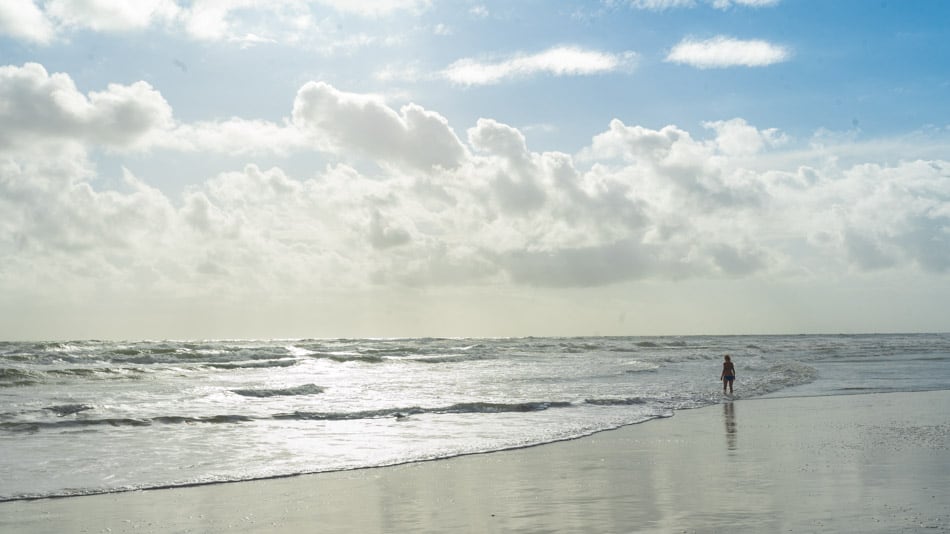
(84, 417)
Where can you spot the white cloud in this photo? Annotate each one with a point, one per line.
(106, 15)
(234, 20)
(244, 21)
(736, 137)
(43, 21)
(22, 19)
(233, 136)
(637, 204)
(349, 121)
(888, 215)
(383, 234)
(41, 106)
(721, 52)
(558, 61)
(495, 138)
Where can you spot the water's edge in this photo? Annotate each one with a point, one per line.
(166, 487)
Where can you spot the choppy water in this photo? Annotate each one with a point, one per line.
(94, 416)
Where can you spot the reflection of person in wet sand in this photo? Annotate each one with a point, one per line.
(728, 375)
(729, 411)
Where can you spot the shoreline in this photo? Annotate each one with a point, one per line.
(796, 464)
(191, 485)
(330, 471)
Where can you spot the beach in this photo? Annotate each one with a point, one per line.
(846, 463)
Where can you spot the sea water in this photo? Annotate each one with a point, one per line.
(86, 417)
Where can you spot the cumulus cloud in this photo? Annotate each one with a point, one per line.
(722, 52)
(894, 214)
(557, 61)
(233, 136)
(496, 138)
(383, 234)
(343, 121)
(636, 204)
(40, 106)
(736, 137)
(22, 19)
(44, 107)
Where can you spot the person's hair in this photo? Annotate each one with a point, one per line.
(728, 359)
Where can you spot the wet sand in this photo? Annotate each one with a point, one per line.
(856, 463)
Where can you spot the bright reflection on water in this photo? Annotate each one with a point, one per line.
(98, 416)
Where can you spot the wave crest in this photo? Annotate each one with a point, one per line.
(634, 401)
(460, 408)
(306, 389)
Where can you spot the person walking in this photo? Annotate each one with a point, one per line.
(728, 375)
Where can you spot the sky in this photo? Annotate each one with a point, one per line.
(197, 169)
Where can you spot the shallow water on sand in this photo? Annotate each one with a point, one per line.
(93, 416)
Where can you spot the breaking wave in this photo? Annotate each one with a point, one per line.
(35, 426)
(461, 408)
(306, 389)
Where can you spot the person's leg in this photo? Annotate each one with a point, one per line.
(730, 384)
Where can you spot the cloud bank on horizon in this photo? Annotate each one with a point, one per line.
(359, 192)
